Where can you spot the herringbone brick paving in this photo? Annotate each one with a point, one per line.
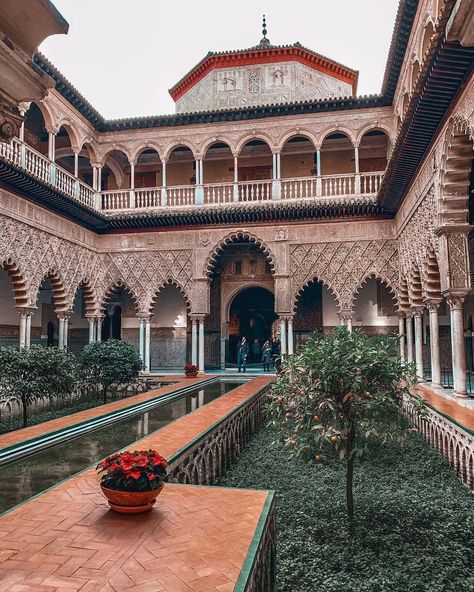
(69, 420)
(196, 540)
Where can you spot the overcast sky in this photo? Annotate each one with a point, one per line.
(124, 55)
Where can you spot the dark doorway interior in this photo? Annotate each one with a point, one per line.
(252, 314)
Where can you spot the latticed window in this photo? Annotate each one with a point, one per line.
(254, 81)
(238, 268)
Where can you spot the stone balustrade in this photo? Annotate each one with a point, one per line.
(22, 156)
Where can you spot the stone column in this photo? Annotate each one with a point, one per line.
(235, 196)
(401, 334)
(51, 146)
(92, 327)
(318, 172)
(76, 163)
(99, 329)
(141, 340)
(164, 196)
(194, 340)
(409, 327)
(199, 195)
(357, 172)
(457, 339)
(66, 331)
(283, 336)
(132, 185)
(290, 336)
(418, 316)
(276, 183)
(433, 307)
(22, 340)
(28, 329)
(201, 344)
(147, 344)
(61, 332)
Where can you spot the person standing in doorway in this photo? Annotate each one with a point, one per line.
(242, 353)
(266, 355)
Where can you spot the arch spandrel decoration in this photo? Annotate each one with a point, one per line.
(342, 266)
(147, 271)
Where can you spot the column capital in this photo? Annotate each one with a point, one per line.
(417, 310)
(64, 315)
(432, 304)
(26, 311)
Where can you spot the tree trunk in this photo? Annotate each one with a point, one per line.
(350, 472)
(349, 487)
(104, 393)
(25, 413)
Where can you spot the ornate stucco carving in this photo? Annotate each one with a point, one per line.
(343, 266)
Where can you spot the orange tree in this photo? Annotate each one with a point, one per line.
(339, 392)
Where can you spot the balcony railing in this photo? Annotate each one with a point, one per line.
(37, 165)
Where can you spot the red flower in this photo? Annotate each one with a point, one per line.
(133, 475)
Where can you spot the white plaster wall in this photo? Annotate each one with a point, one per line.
(365, 309)
(170, 309)
(330, 316)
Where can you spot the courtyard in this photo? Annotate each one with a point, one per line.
(236, 298)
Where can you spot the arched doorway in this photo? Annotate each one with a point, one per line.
(251, 314)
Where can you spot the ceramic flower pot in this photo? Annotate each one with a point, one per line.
(191, 374)
(131, 502)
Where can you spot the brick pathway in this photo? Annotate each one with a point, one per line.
(462, 415)
(195, 540)
(69, 420)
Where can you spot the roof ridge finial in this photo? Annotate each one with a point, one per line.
(264, 41)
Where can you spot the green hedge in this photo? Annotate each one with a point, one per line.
(413, 524)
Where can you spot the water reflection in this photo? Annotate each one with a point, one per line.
(26, 477)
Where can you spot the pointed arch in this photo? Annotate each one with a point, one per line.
(432, 278)
(20, 292)
(117, 285)
(169, 282)
(60, 300)
(90, 297)
(403, 296)
(456, 166)
(239, 235)
(314, 280)
(383, 280)
(415, 288)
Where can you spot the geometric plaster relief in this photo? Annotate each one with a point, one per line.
(343, 266)
(146, 272)
(458, 261)
(38, 253)
(417, 237)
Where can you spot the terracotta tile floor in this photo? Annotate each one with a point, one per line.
(195, 540)
(62, 422)
(463, 415)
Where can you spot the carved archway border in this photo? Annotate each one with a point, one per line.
(150, 304)
(315, 280)
(230, 238)
(18, 283)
